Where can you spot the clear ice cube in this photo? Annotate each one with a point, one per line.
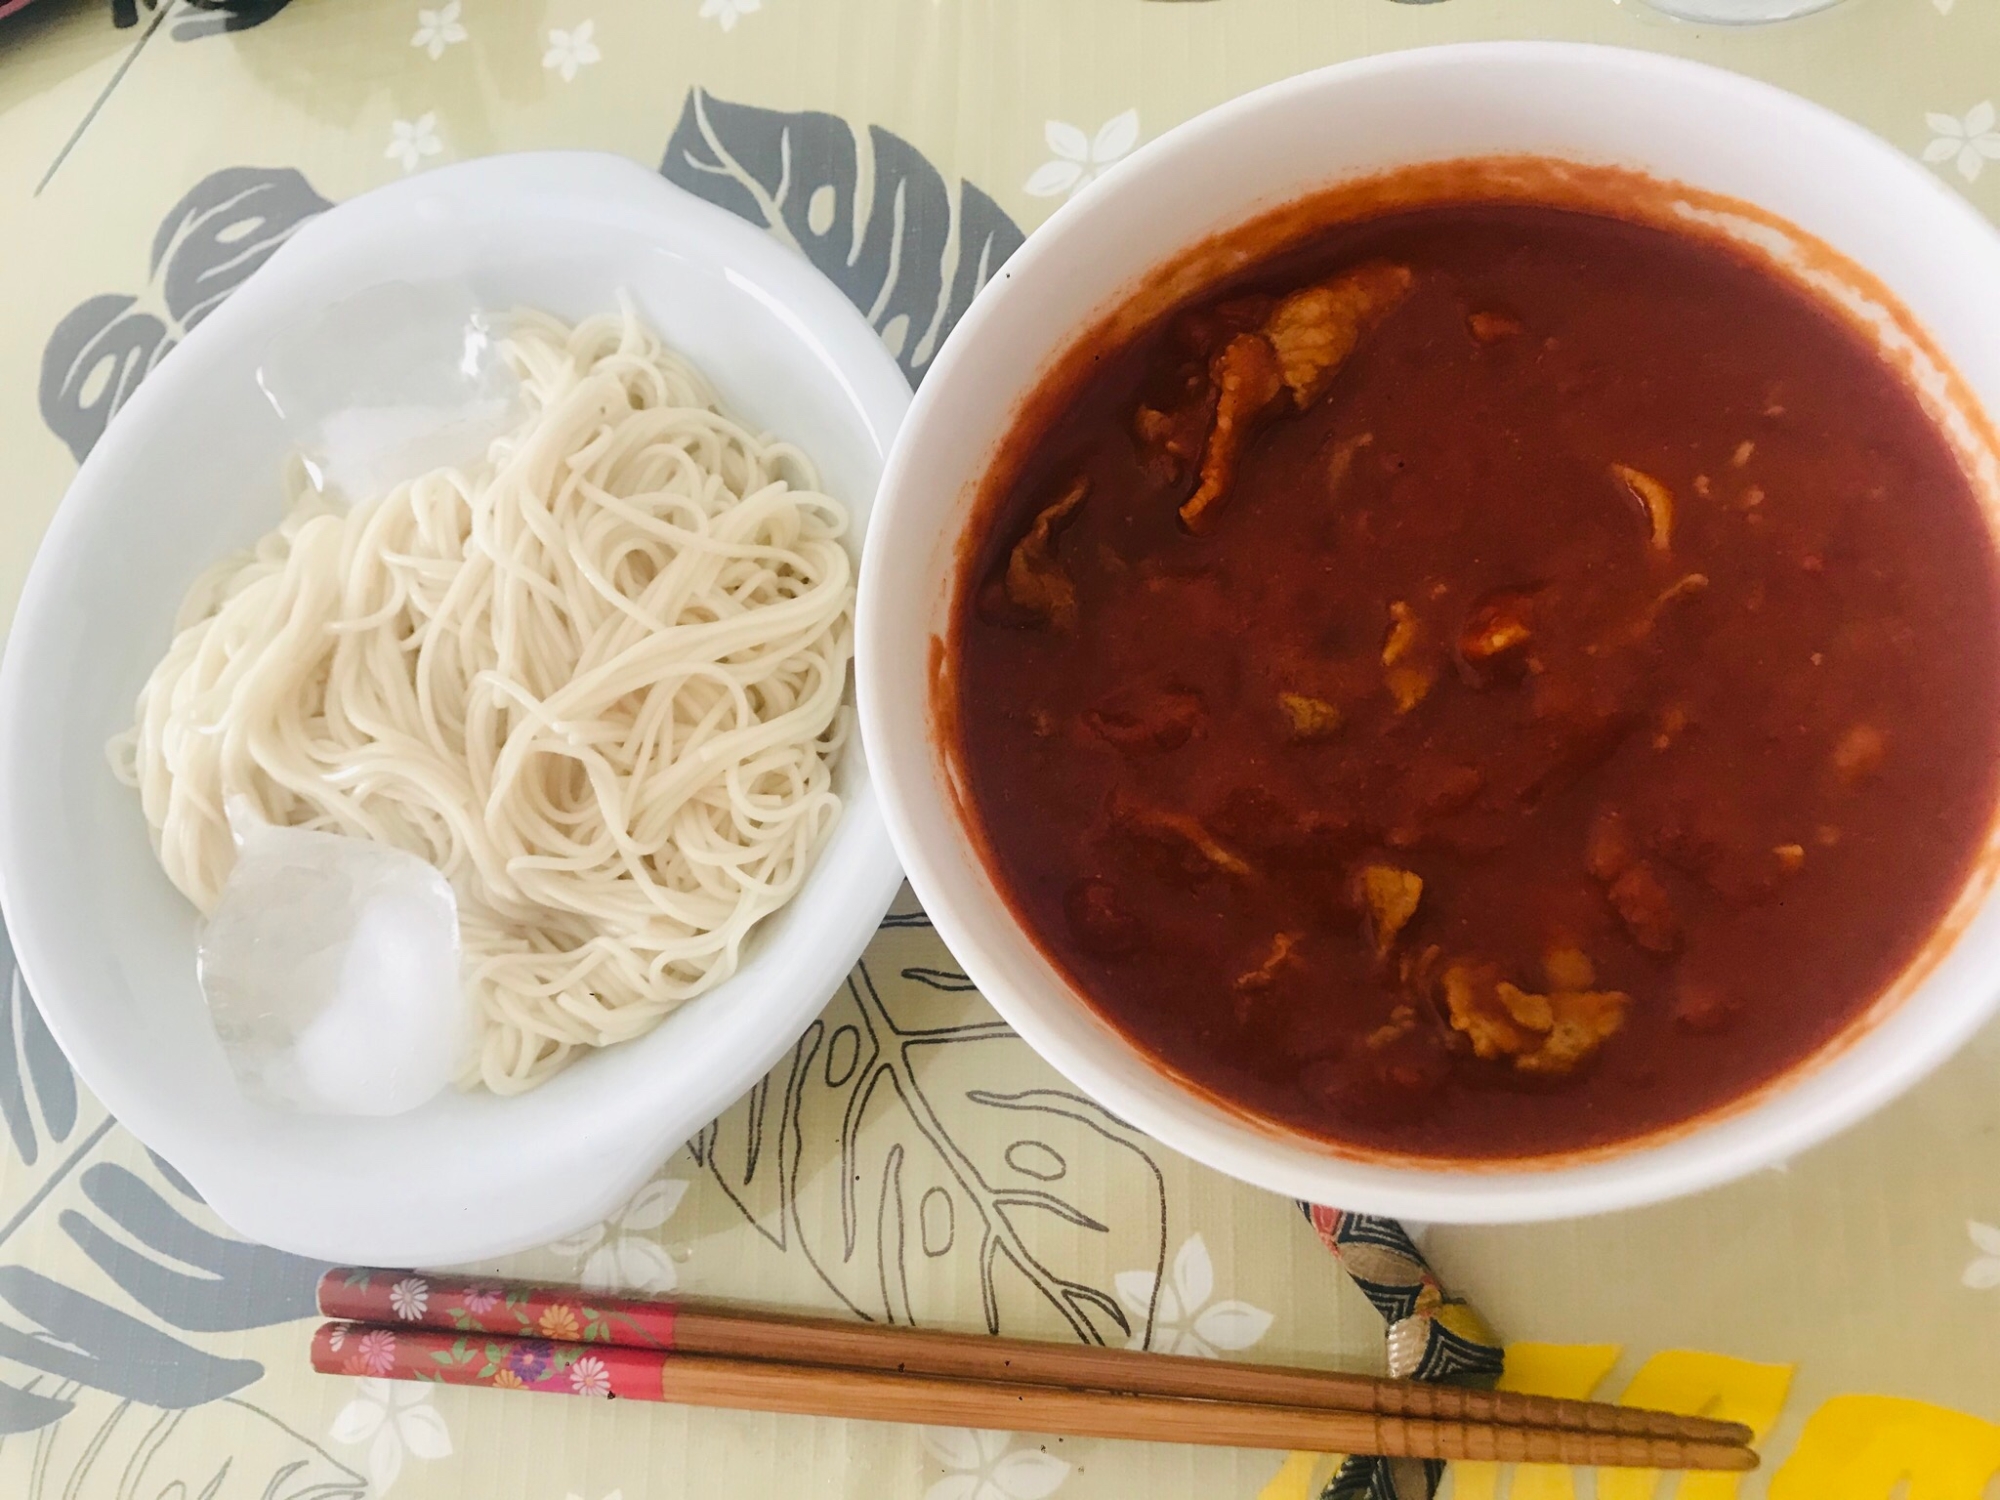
(389, 383)
(331, 967)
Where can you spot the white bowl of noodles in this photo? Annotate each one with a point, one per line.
(189, 471)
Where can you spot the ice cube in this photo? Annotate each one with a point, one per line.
(390, 382)
(331, 968)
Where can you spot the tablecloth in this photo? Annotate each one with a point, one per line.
(911, 1161)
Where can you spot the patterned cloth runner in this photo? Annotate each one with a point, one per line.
(1432, 1336)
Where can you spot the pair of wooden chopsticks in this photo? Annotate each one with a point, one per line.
(406, 1325)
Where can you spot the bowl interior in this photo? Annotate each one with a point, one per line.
(191, 469)
(1682, 123)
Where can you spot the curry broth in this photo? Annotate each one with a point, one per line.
(1492, 680)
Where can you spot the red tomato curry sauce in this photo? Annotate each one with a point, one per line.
(1495, 681)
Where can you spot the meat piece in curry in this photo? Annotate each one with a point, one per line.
(1313, 330)
(1519, 680)
(1248, 381)
(1298, 349)
(1035, 584)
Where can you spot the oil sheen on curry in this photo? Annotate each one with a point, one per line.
(1495, 681)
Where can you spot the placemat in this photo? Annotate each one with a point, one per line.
(911, 1161)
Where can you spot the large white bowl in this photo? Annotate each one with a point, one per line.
(1671, 119)
(189, 469)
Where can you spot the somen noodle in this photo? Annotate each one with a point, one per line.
(596, 679)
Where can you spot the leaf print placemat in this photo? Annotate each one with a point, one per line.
(910, 1161)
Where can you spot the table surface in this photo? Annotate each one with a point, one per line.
(1847, 1305)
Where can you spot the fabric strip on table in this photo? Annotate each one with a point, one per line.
(1432, 1335)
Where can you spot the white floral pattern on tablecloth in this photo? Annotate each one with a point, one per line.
(726, 13)
(1079, 159)
(1185, 1320)
(1967, 141)
(571, 49)
(393, 1418)
(439, 29)
(990, 1466)
(1982, 1272)
(410, 141)
(616, 1256)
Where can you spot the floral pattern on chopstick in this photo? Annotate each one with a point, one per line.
(522, 1364)
(511, 1310)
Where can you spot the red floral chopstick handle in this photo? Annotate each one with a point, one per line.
(459, 1305)
(520, 1364)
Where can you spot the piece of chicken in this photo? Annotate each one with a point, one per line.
(1035, 582)
(1540, 1034)
(1181, 834)
(1301, 347)
(1654, 498)
(1276, 959)
(1316, 328)
(1388, 897)
(1248, 382)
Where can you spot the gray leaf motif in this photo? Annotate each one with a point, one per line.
(232, 1450)
(186, 1277)
(208, 245)
(93, 362)
(884, 1157)
(182, 1275)
(238, 1285)
(83, 1340)
(200, 18)
(867, 209)
(38, 1099)
(214, 17)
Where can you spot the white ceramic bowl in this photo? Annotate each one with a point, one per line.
(189, 469)
(1671, 119)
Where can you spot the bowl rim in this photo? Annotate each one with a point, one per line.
(1185, 1117)
(634, 1130)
